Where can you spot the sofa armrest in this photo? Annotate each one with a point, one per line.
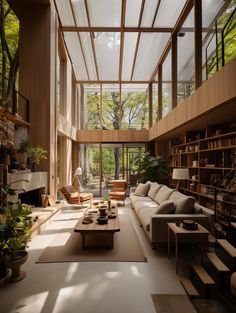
(159, 228)
(132, 189)
(210, 214)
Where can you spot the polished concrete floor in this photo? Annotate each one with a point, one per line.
(101, 287)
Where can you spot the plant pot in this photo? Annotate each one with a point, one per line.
(15, 264)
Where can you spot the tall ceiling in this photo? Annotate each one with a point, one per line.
(122, 40)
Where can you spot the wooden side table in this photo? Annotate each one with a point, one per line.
(183, 235)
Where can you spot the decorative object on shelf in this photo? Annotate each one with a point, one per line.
(180, 174)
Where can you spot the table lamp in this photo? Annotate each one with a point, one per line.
(180, 174)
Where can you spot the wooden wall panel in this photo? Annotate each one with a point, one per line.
(96, 136)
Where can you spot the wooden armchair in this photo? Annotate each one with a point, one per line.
(74, 197)
(117, 191)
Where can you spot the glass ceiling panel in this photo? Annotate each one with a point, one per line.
(134, 87)
(150, 49)
(104, 12)
(107, 47)
(80, 12)
(132, 12)
(169, 12)
(210, 9)
(148, 13)
(73, 45)
(130, 40)
(88, 51)
(65, 12)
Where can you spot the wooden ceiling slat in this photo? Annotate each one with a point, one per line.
(155, 15)
(117, 29)
(111, 82)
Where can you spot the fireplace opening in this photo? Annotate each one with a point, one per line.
(32, 197)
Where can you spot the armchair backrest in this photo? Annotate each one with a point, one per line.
(118, 185)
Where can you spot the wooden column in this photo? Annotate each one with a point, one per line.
(174, 70)
(159, 112)
(198, 42)
(150, 108)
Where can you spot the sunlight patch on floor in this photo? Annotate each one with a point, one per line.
(34, 303)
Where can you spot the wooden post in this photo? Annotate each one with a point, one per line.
(174, 70)
(150, 107)
(159, 112)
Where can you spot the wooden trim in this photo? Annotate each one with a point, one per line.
(123, 11)
(155, 15)
(117, 29)
(100, 169)
(150, 107)
(174, 71)
(91, 39)
(159, 112)
(112, 82)
(198, 42)
(100, 103)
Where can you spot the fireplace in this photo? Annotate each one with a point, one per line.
(32, 197)
(29, 186)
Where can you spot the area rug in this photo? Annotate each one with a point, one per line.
(165, 303)
(67, 246)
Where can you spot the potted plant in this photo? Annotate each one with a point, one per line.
(150, 168)
(38, 154)
(15, 237)
(23, 151)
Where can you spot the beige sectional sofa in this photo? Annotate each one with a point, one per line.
(156, 205)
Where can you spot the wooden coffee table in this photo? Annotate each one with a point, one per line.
(183, 235)
(98, 231)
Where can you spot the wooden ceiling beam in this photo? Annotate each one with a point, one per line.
(117, 29)
(111, 82)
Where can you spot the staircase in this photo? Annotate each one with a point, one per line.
(212, 278)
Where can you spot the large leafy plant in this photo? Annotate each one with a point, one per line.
(152, 168)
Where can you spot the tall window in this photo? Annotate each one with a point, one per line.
(90, 107)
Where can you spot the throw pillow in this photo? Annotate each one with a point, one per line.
(154, 187)
(163, 194)
(142, 189)
(184, 205)
(166, 207)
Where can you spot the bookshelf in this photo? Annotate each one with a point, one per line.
(209, 154)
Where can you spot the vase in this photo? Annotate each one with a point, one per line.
(15, 264)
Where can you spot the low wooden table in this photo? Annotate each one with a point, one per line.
(199, 235)
(98, 230)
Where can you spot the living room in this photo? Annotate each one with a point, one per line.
(96, 92)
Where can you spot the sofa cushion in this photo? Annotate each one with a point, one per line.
(145, 215)
(163, 194)
(184, 205)
(176, 194)
(154, 187)
(142, 189)
(166, 207)
(147, 203)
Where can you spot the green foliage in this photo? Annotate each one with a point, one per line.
(152, 168)
(16, 229)
(38, 154)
